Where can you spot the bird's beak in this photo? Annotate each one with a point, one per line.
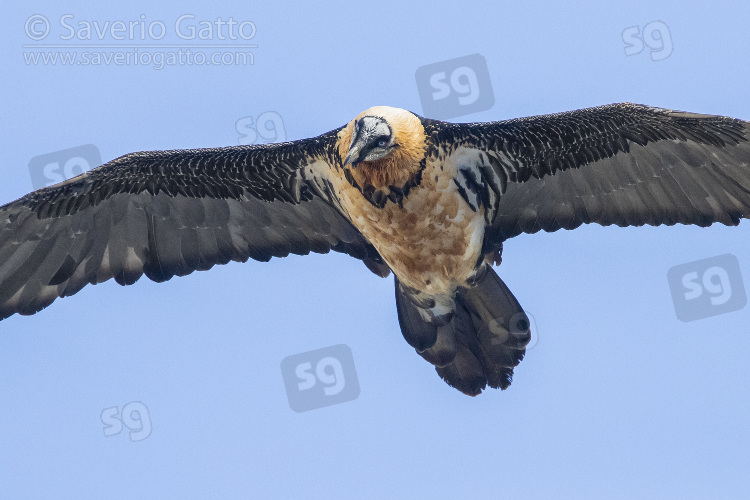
(355, 156)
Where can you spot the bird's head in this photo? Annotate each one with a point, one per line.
(383, 146)
(372, 139)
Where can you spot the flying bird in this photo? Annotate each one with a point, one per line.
(430, 201)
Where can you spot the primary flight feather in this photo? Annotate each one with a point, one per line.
(430, 201)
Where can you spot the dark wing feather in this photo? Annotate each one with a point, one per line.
(623, 164)
(169, 213)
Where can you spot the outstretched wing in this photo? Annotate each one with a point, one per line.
(623, 164)
(169, 213)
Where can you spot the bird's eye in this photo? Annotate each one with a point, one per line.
(382, 141)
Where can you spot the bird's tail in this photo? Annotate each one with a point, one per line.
(478, 343)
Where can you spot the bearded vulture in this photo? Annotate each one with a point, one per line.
(428, 200)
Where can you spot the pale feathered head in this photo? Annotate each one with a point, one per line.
(383, 146)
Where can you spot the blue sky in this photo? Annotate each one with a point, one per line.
(618, 399)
